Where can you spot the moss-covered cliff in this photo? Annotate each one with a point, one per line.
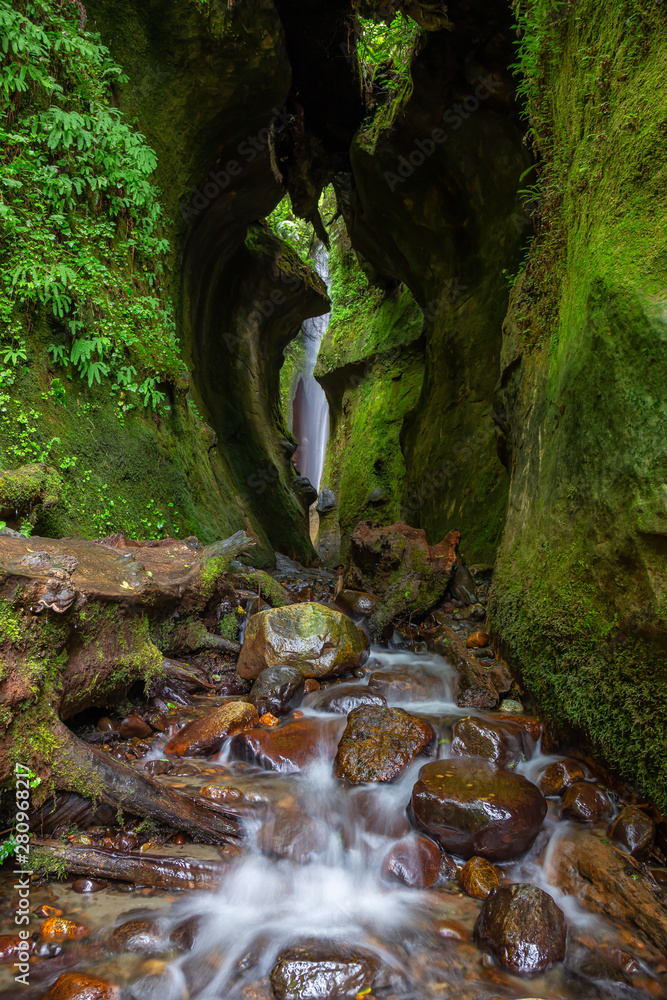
(580, 597)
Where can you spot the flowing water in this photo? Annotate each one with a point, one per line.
(310, 410)
(311, 870)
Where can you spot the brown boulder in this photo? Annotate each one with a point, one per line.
(479, 878)
(379, 743)
(586, 803)
(78, 986)
(206, 735)
(318, 640)
(500, 742)
(397, 562)
(323, 971)
(288, 747)
(560, 775)
(472, 807)
(633, 830)
(414, 861)
(524, 929)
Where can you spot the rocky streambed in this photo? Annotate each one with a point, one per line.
(401, 830)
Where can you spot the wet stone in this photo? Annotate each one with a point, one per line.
(78, 986)
(378, 744)
(206, 735)
(154, 767)
(471, 807)
(61, 929)
(296, 837)
(322, 971)
(523, 928)
(277, 690)
(479, 878)
(343, 699)
(477, 640)
(357, 602)
(585, 802)
(132, 726)
(496, 741)
(183, 771)
(143, 936)
(85, 885)
(11, 945)
(633, 830)
(462, 585)
(557, 777)
(405, 685)
(288, 747)
(415, 861)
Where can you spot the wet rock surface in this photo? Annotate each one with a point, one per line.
(405, 685)
(558, 777)
(356, 602)
(277, 690)
(379, 743)
(318, 640)
(634, 830)
(472, 807)
(585, 802)
(318, 971)
(289, 747)
(523, 927)
(207, 734)
(415, 861)
(78, 986)
(343, 698)
(499, 742)
(479, 878)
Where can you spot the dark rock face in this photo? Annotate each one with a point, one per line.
(522, 926)
(397, 562)
(499, 742)
(318, 640)
(634, 830)
(320, 971)
(585, 802)
(379, 743)
(472, 807)
(557, 777)
(206, 735)
(414, 861)
(277, 690)
(343, 698)
(289, 747)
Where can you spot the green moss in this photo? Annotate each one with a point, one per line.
(228, 627)
(45, 861)
(268, 588)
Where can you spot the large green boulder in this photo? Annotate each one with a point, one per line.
(318, 640)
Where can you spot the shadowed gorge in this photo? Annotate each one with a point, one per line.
(333, 608)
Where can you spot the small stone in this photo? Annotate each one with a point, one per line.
(414, 861)
(323, 970)
(512, 706)
(179, 839)
(633, 830)
(357, 602)
(78, 986)
(557, 777)
(277, 690)
(493, 739)
(154, 767)
(84, 885)
(268, 719)
(61, 929)
(141, 936)
(133, 725)
(523, 928)
(477, 640)
(586, 803)
(105, 725)
(48, 911)
(12, 944)
(311, 684)
(221, 793)
(479, 878)
(125, 842)
(206, 735)
(183, 771)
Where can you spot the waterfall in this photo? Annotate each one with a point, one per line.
(310, 410)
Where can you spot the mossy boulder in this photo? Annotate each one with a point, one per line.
(24, 489)
(318, 640)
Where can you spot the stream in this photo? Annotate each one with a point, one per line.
(310, 903)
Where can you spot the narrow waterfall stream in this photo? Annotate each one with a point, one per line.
(310, 410)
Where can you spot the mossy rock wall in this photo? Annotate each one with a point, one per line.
(580, 592)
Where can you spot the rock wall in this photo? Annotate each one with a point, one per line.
(580, 592)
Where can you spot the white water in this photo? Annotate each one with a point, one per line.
(310, 410)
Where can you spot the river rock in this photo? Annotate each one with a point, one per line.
(206, 735)
(557, 777)
(277, 690)
(142, 936)
(462, 585)
(61, 929)
(523, 928)
(473, 807)
(289, 747)
(405, 685)
(293, 836)
(356, 602)
(396, 562)
(633, 830)
(479, 878)
(343, 698)
(585, 802)
(318, 640)
(134, 725)
(323, 971)
(415, 861)
(379, 743)
(499, 742)
(79, 986)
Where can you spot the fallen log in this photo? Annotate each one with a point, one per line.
(156, 869)
(80, 766)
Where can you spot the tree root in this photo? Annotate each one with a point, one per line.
(85, 769)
